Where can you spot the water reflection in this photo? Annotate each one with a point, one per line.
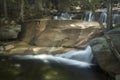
(31, 70)
(48, 67)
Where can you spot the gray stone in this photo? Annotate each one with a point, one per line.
(117, 77)
(103, 51)
(1, 48)
(8, 47)
(9, 31)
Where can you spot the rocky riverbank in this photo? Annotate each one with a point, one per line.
(50, 36)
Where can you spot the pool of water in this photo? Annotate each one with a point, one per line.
(35, 70)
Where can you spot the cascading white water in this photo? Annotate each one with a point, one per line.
(63, 16)
(79, 59)
(89, 16)
(80, 55)
(103, 17)
(116, 18)
(79, 62)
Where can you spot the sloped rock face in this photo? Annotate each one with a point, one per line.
(105, 51)
(53, 36)
(57, 33)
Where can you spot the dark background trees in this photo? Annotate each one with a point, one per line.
(30, 9)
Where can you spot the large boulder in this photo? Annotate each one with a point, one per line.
(106, 50)
(9, 31)
(57, 33)
(53, 36)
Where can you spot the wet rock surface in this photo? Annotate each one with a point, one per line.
(104, 50)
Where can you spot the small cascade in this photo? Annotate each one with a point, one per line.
(77, 62)
(63, 16)
(116, 18)
(89, 16)
(80, 55)
(79, 59)
(103, 17)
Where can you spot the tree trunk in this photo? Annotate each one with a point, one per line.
(109, 15)
(5, 9)
(22, 10)
(39, 5)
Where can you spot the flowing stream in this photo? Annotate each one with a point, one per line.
(102, 17)
(89, 16)
(72, 65)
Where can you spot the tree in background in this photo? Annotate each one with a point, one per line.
(109, 15)
(5, 9)
(30, 9)
(22, 10)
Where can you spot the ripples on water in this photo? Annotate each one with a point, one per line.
(49, 67)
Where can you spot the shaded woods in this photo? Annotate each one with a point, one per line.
(30, 9)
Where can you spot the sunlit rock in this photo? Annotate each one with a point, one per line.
(54, 36)
(58, 33)
(18, 50)
(8, 47)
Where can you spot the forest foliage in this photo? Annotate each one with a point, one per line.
(29, 9)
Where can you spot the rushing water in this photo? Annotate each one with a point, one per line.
(80, 55)
(63, 16)
(102, 17)
(89, 16)
(116, 18)
(73, 65)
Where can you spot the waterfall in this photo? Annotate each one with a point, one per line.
(116, 18)
(80, 55)
(89, 16)
(78, 59)
(63, 16)
(103, 17)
